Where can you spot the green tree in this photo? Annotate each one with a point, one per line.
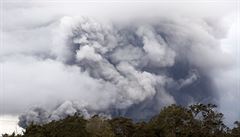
(208, 121)
(72, 126)
(236, 130)
(122, 127)
(173, 121)
(144, 129)
(99, 127)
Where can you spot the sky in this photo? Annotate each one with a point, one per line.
(39, 70)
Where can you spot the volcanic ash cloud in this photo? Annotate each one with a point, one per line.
(134, 68)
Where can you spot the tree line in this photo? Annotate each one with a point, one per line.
(198, 120)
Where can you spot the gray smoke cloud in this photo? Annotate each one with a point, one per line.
(64, 64)
(144, 66)
(38, 115)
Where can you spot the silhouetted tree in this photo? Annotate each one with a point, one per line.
(99, 127)
(209, 123)
(122, 127)
(236, 130)
(173, 121)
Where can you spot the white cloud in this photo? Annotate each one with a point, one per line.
(8, 124)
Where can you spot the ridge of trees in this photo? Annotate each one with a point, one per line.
(198, 120)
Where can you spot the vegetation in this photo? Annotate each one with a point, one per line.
(173, 121)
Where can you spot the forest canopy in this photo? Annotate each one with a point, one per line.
(197, 120)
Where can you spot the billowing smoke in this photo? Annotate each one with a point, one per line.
(39, 115)
(132, 69)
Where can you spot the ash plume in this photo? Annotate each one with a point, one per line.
(134, 68)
